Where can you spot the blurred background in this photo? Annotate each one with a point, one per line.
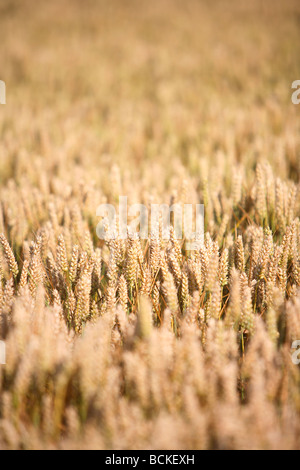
(135, 83)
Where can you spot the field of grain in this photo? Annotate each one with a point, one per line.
(141, 344)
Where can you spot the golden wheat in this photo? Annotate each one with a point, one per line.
(142, 344)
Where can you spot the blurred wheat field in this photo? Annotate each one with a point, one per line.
(140, 344)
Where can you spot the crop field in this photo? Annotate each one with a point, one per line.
(130, 343)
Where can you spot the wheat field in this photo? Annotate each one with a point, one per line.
(142, 344)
